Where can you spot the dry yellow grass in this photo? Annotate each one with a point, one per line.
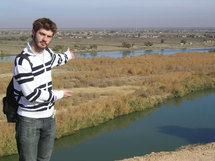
(106, 88)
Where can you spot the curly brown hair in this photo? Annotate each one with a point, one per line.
(46, 24)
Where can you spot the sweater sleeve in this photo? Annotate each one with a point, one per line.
(60, 58)
(58, 94)
(25, 79)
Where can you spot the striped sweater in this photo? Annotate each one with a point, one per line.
(33, 78)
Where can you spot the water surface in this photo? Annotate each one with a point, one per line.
(119, 54)
(178, 122)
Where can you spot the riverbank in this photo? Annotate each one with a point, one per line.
(201, 152)
(14, 51)
(106, 88)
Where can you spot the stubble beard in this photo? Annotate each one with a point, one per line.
(39, 45)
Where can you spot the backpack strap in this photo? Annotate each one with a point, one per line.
(20, 94)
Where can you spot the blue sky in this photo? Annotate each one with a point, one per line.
(109, 13)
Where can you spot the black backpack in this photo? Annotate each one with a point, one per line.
(10, 104)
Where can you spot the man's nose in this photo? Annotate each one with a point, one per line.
(45, 38)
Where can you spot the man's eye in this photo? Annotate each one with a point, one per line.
(42, 34)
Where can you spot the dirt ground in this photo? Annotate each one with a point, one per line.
(197, 152)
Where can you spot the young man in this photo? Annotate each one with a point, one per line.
(36, 128)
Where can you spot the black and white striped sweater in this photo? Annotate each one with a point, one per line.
(34, 80)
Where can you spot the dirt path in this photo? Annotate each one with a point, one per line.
(197, 152)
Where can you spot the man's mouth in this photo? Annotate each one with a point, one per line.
(43, 43)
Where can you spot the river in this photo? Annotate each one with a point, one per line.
(119, 54)
(177, 122)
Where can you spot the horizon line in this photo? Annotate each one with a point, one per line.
(67, 28)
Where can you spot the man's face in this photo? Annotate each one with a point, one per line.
(42, 38)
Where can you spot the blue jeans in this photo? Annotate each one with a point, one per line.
(35, 138)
